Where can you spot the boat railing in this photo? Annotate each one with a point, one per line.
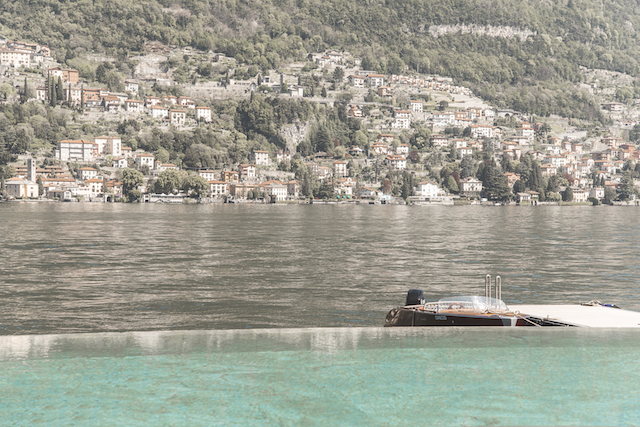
(498, 287)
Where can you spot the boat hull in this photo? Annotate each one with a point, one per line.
(402, 316)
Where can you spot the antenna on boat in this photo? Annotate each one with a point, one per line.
(498, 287)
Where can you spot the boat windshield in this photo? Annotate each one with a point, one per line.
(471, 303)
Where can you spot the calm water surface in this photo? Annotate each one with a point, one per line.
(113, 267)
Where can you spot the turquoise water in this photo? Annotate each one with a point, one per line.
(323, 376)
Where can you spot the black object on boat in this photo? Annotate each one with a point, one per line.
(415, 297)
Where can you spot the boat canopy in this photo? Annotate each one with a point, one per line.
(473, 302)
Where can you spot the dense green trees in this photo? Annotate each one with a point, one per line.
(195, 186)
(533, 70)
(131, 180)
(494, 183)
(567, 195)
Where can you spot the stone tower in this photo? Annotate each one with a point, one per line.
(31, 170)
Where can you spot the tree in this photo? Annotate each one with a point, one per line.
(634, 133)
(24, 97)
(567, 195)
(535, 178)
(323, 92)
(339, 152)
(168, 182)
(199, 156)
(407, 185)
(326, 190)
(468, 167)
(51, 91)
(131, 180)
(162, 155)
(495, 185)
(414, 157)
(59, 90)
(421, 137)
(360, 138)
(451, 184)
(443, 105)
(553, 185)
(345, 97)
(205, 69)
(195, 186)
(552, 196)
(386, 186)
(627, 190)
(609, 195)
(519, 187)
(338, 75)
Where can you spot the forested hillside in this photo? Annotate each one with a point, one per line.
(523, 54)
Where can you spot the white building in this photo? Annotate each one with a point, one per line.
(158, 112)
(15, 58)
(429, 190)
(134, 105)
(95, 187)
(131, 86)
(281, 156)
(261, 157)
(177, 117)
(396, 162)
(203, 114)
(218, 188)
(247, 171)
(279, 191)
(525, 130)
(415, 106)
(471, 186)
(109, 145)
(464, 152)
(597, 192)
(161, 167)
(402, 119)
(208, 174)
(340, 169)
(402, 149)
(76, 150)
(375, 80)
(443, 118)
(120, 163)
(87, 173)
(357, 81)
(479, 131)
(145, 160)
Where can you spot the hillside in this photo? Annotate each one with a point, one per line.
(524, 54)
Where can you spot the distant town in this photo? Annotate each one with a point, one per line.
(424, 141)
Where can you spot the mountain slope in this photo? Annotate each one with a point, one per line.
(524, 54)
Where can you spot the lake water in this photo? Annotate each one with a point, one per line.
(114, 267)
(263, 314)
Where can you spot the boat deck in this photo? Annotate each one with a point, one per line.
(580, 315)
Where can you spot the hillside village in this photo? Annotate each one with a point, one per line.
(420, 139)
